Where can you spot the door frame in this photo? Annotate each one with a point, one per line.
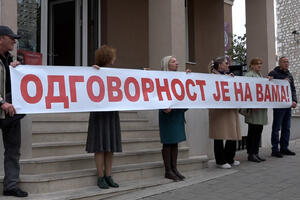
(81, 24)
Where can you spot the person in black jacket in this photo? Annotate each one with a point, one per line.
(9, 120)
(282, 116)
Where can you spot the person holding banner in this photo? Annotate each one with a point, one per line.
(9, 121)
(104, 134)
(224, 124)
(282, 116)
(255, 118)
(171, 129)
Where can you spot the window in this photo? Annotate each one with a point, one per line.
(190, 31)
(29, 23)
(29, 15)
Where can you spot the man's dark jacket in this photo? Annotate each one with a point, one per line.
(277, 73)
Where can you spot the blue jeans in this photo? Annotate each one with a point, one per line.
(281, 121)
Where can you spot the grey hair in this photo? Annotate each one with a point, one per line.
(165, 63)
(218, 61)
(281, 57)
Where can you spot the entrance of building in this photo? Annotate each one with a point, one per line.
(62, 31)
(66, 33)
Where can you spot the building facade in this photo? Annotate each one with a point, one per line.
(67, 32)
(288, 38)
(141, 30)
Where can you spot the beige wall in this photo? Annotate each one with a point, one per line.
(209, 32)
(178, 31)
(228, 14)
(8, 14)
(166, 31)
(159, 31)
(125, 26)
(261, 43)
(261, 32)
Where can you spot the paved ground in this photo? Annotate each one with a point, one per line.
(274, 179)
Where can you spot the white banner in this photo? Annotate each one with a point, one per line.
(49, 89)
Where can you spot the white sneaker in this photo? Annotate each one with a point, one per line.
(236, 163)
(224, 166)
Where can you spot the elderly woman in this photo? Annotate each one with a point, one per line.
(224, 124)
(104, 135)
(255, 118)
(172, 130)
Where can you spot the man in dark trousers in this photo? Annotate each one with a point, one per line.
(282, 116)
(9, 120)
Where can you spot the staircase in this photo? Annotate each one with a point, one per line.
(61, 169)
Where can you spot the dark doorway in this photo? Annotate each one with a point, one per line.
(61, 44)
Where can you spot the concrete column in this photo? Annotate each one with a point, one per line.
(166, 37)
(26, 142)
(8, 17)
(208, 31)
(8, 13)
(261, 32)
(26, 137)
(167, 31)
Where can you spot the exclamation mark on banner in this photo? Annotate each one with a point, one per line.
(288, 93)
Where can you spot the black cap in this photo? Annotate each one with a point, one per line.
(5, 30)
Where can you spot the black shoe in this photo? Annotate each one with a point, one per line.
(170, 175)
(111, 182)
(276, 154)
(178, 174)
(287, 152)
(260, 158)
(102, 183)
(253, 158)
(17, 192)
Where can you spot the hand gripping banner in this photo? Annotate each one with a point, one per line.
(50, 89)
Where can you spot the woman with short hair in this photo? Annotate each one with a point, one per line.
(256, 118)
(104, 134)
(224, 124)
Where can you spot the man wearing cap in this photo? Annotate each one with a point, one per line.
(9, 120)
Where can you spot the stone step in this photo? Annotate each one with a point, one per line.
(86, 161)
(60, 181)
(70, 148)
(83, 116)
(135, 189)
(81, 126)
(127, 133)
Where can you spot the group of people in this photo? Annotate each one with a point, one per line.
(224, 123)
(104, 134)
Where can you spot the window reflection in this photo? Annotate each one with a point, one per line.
(29, 23)
(29, 16)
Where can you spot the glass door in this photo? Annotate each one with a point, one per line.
(65, 31)
(62, 31)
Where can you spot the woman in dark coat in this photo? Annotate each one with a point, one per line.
(171, 127)
(104, 135)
